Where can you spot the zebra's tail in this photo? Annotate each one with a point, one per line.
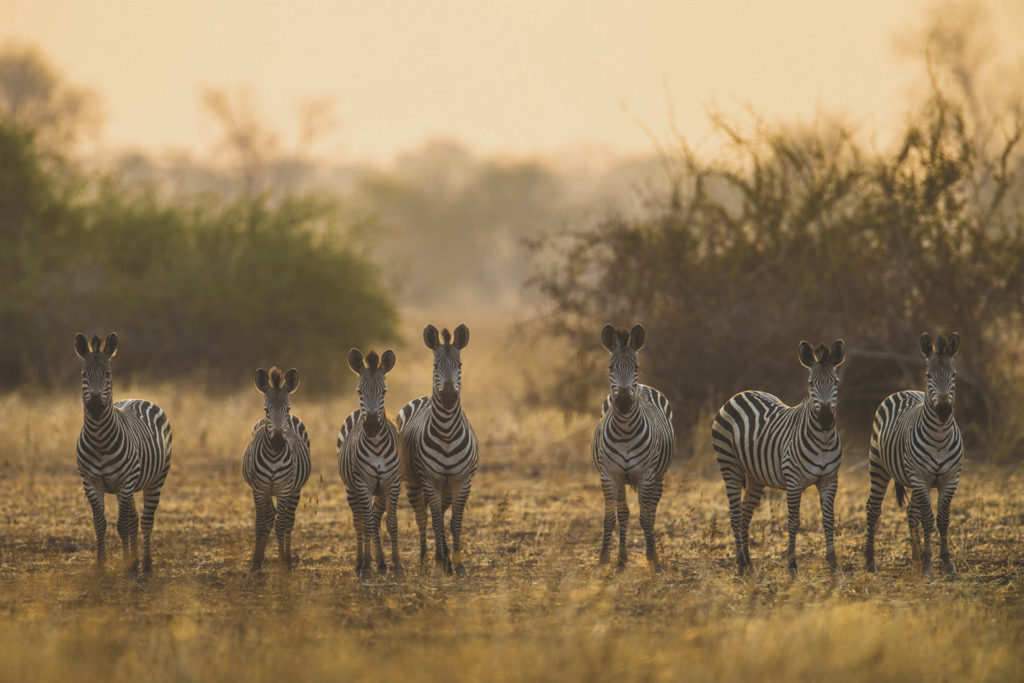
(901, 494)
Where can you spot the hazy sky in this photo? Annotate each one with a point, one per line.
(515, 76)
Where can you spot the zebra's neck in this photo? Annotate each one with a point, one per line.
(443, 417)
(930, 426)
(105, 427)
(273, 450)
(625, 421)
(810, 423)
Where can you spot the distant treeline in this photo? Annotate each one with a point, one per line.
(197, 286)
(804, 234)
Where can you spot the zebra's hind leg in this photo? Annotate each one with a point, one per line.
(458, 508)
(608, 488)
(734, 481)
(924, 506)
(379, 505)
(793, 495)
(265, 515)
(286, 506)
(99, 523)
(150, 500)
(879, 484)
(128, 529)
(649, 494)
(827, 498)
(622, 508)
(946, 490)
(751, 499)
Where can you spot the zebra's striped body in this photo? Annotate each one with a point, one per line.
(439, 450)
(123, 448)
(276, 463)
(916, 442)
(761, 442)
(369, 465)
(632, 445)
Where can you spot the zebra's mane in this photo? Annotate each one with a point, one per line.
(276, 377)
(372, 360)
(447, 336)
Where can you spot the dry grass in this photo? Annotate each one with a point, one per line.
(533, 608)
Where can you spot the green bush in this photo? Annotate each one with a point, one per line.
(196, 286)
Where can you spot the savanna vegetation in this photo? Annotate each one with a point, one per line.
(789, 232)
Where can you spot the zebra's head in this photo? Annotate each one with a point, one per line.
(372, 386)
(823, 382)
(623, 366)
(276, 386)
(940, 373)
(447, 362)
(97, 386)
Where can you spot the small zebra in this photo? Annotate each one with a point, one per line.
(915, 440)
(760, 441)
(123, 448)
(369, 465)
(276, 463)
(439, 450)
(633, 444)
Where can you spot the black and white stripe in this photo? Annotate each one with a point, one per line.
(369, 465)
(915, 441)
(761, 442)
(123, 448)
(276, 463)
(439, 450)
(632, 445)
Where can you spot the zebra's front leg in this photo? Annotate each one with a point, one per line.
(150, 500)
(924, 506)
(458, 508)
(441, 559)
(622, 509)
(793, 495)
(128, 529)
(827, 498)
(608, 489)
(392, 524)
(879, 484)
(286, 506)
(751, 499)
(356, 506)
(99, 523)
(265, 515)
(414, 493)
(946, 490)
(649, 494)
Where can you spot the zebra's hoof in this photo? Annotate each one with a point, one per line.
(792, 569)
(398, 571)
(460, 571)
(926, 569)
(620, 567)
(950, 569)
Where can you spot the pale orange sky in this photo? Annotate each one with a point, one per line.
(517, 77)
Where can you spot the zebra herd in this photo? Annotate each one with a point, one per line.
(759, 442)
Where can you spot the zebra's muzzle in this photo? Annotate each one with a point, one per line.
(944, 409)
(94, 404)
(449, 395)
(827, 418)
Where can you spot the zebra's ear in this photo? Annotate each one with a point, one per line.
(461, 336)
(291, 381)
(953, 344)
(430, 337)
(806, 354)
(387, 360)
(262, 380)
(837, 355)
(637, 337)
(355, 360)
(110, 346)
(926, 344)
(81, 345)
(608, 337)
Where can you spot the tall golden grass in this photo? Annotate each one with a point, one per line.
(534, 606)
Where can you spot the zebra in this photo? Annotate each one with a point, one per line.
(439, 450)
(633, 444)
(915, 440)
(276, 463)
(123, 448)
(760, 441)
(369, 464)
